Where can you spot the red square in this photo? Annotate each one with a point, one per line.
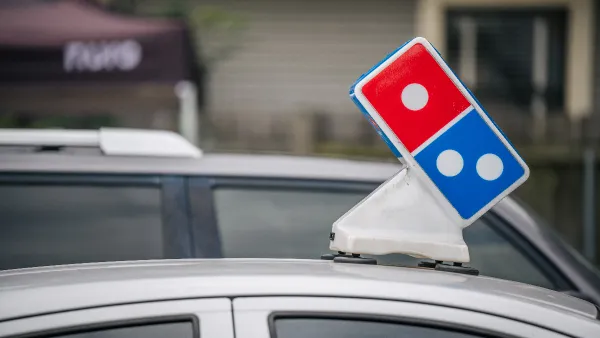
(415, 96)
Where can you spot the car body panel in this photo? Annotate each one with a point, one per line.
(232, 165)
(36, 291)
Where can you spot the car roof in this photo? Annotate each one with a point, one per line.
(105, 141)
(242, 165)
(35, 291)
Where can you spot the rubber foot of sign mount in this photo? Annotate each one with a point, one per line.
(328, 257)
(455, 267)
(343, 257)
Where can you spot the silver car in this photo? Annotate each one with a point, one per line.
(88, 196)
(264, 298)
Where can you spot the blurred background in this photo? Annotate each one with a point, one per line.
(273, 76)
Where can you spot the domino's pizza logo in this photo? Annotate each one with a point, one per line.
(441, 129)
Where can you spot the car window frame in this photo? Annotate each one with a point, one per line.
(381, 318)
(526, 247)
(116, 324)
(296, 183)
(174, 208)
(254, 316)
(573, 266)
(211, 318)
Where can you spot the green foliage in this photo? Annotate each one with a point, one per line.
(175, 9)
(217, 32)
(121, 6)
(215, 18)
(8, 120)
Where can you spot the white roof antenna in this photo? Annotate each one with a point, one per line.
(112, 141)
(458, 164)
(140, 142)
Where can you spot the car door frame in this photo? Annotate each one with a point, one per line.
(174, 207)
(254, 317)
(212, 318)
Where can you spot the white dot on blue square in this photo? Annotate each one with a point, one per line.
(470, 165)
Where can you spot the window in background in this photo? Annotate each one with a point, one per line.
(492, 254)
(510, 58)
(48, 225)
(276, 223)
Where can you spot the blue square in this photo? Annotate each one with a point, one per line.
(470, 164)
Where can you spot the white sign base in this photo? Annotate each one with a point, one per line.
(401, 216)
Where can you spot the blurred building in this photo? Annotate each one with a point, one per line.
(532, 63)
(298, 58)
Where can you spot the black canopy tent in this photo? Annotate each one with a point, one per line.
(73, 57)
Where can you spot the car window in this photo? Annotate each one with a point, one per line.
(162, 330)
(492, 254)
(358, 328)
(292, 223)
(495, 256)
(48, 225)
(278, 223)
